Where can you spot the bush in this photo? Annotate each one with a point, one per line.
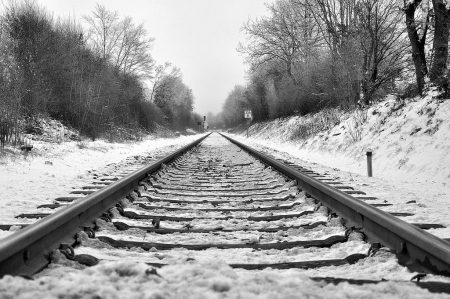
(318, 122)
(355, 124)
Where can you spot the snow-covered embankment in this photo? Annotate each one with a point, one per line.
(410, 139)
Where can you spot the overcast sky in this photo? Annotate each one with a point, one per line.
(198, 36)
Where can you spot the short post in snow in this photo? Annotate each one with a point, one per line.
(369, 162)
(248, 115)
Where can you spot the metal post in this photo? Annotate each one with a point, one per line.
(369, 163)
(248, 115)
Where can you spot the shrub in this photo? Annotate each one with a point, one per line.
(314, 123)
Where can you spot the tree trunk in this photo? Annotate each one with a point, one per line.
(290, 74)
(440, 44)
(417, 45)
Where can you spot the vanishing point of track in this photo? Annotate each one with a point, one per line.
(222, 199)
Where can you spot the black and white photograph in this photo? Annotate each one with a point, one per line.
(224, 149)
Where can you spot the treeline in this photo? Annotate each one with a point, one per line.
(307, 55)
(92, 80)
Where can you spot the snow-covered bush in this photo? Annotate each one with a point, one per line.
(318, 122)
(355, 124)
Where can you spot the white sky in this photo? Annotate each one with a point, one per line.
(198, 36)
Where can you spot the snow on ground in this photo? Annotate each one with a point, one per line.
(52, 170)
(411, 162)
(206, 279)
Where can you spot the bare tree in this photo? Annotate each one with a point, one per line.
(160, 72)
(417, 33)
(365, 39)
(10, 106)
(287, 36)
(132, 52)
(104, 31)
(440, 43)
(335, 19)
(382, 44)
(419, 18)
(121, 42)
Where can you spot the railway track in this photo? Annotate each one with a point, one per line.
(215, 201)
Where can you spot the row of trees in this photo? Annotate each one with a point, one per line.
(311, 54)
(90, 79)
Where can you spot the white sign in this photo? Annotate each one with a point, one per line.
(248, 114)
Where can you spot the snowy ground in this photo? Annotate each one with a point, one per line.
(204, 273)
(53, 170)
(209, 279)
(411, 147)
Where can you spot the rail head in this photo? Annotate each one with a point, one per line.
(26, 251)
(414, 247)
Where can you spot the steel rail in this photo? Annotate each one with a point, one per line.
(28, 250)
(414, 247)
